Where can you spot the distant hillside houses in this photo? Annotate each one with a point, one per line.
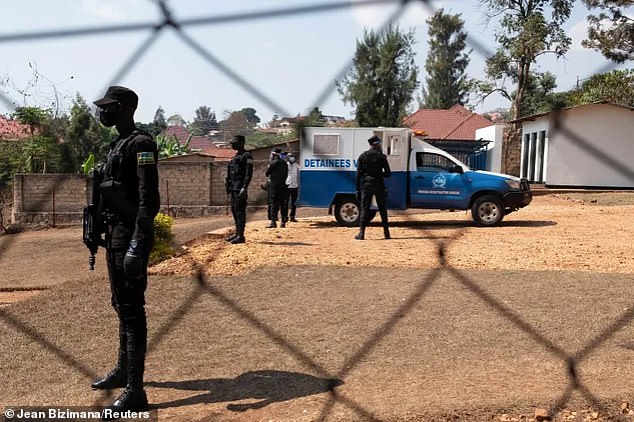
(284, 125)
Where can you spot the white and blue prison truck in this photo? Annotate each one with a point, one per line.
(423, 176)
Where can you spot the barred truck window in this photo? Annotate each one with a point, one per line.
(325, 144)
(394, 148)
(432, 162)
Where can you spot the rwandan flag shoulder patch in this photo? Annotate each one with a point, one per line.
(144, 158)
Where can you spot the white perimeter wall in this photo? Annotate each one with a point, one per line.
(494, 134)
(600, 151)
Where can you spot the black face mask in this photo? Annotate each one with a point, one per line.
(109, 113)
(108, 119)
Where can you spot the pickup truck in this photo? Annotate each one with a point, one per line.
(423, 176)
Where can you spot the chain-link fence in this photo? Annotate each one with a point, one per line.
(572, 361)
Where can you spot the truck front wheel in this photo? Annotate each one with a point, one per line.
(487, 211)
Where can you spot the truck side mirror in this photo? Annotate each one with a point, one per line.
(457, 169)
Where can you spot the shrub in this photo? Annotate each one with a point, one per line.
(163, 236)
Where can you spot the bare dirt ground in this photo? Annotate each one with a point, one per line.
(554, 233)
(444, 322)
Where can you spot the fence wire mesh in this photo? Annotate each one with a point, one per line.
(204, 286)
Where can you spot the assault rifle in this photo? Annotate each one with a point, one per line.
(92, 221)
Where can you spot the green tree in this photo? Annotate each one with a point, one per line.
(159, 117)
(41, 150)
(10, 161)
(263, 139)
(611, 31)
(381, 84)
(315, 118)
(616, 86)
(56, 128)
(540, 96)
(85, 135)
(157, 125)
(33, 117)
(169, 145)
(274, 120)
(204, 122)
(446, 62)
(251, 116)
(235, 123)
(176, 120)
(526, 32)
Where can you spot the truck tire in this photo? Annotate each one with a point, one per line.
(487, 211)
(347, 212)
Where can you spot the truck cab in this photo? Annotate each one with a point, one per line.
(423, 176)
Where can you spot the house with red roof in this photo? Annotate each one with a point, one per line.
(12, 130)
(455, 131)
(456, 123)
(196, 142)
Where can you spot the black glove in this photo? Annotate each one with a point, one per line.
(242, 194)
(133, 263)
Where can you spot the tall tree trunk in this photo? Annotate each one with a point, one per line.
(512, 140)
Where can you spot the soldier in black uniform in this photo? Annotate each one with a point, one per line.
(277, 171)
(239, 174)
(372, 167)
(130, 201)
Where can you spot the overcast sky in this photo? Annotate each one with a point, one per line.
(280, 64)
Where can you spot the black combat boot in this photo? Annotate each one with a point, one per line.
(238, 239)
(133, 397)
(361, 235)
(130, 399)
(118, 377)
(231, 237)
(386, 232)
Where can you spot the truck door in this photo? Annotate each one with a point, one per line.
(436, 182)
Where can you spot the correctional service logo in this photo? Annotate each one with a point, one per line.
(439, 181)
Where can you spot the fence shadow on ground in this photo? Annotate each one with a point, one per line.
(275, 386)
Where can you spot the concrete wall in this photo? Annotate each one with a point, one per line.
(48, 198)
(593, 147)
(187, 189)
(494, 134)
(599, 152)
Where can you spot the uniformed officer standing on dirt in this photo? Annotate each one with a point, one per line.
(372, 167)
(130, 201)
(239, 173)
(277, 171)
